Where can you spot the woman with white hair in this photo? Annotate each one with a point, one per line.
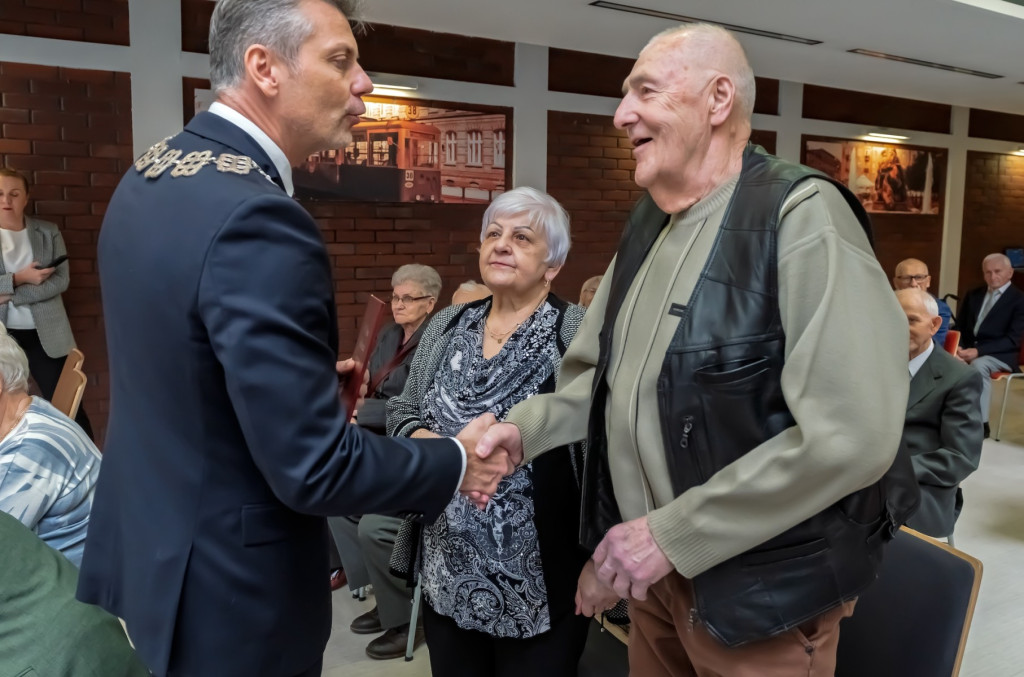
(48, 466)
(499, 583)
(414, 291)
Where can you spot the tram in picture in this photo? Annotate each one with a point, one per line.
(387, 161)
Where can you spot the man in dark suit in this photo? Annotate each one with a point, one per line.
(227, 443)
(991, 324)
(943, 427)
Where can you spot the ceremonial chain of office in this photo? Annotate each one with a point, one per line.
(160, 157)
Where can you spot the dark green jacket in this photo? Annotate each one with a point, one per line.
(44, 630)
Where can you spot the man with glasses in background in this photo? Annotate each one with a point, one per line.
(913, 274)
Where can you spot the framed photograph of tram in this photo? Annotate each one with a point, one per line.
(411, 150)
(887, 178)
(405, 150)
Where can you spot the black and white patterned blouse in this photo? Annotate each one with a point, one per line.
(485, 568)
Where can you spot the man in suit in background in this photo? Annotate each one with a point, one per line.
(43, 629)
(911, 273)
(943, 430)
(991, 324)
(227, 443)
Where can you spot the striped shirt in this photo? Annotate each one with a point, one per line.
(48, 472)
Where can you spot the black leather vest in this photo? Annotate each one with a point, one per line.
(720, 395)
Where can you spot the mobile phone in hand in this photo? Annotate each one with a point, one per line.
(53, 264)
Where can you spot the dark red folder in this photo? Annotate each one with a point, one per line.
(369, 328)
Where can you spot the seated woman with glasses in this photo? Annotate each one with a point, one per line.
(499, 584)
(364, 543)
(414, 291)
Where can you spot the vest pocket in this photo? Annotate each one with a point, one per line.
(732, 406)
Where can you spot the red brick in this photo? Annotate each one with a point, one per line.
(14, 115)
(29, 70)
(31, 163)
(61, 207)
(15, 146)
(70, 5)
(54, 31)
(41, 132)
(22, 100)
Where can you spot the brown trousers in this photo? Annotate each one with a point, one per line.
(662, 641)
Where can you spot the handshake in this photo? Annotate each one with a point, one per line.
(493, 450)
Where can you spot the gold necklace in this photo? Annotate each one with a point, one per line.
(19, 414)
(502, 337)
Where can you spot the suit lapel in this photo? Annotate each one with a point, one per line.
(926, 379)
(40, 251)
(219, 130)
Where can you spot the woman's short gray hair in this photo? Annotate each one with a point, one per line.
(13, 363)
(279, 25)
(417, 273)
(546, 216)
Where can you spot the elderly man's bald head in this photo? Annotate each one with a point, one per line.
(911, 273)
(718, 50)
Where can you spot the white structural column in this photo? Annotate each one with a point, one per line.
(530, 118)
(156, 70)
(790, 123)
(953, 226)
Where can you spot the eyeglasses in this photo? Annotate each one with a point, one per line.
(406, 300)
(915, 278)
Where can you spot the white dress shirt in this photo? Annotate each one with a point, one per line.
(272, 150)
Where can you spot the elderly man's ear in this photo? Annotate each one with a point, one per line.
(723, 94)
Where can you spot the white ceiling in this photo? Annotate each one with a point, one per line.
(943, 31)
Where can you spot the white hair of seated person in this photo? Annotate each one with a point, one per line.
(14, 370)
(469, 291)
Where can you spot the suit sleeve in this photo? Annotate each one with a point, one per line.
(960, 434)
(1009, 342)
(266, 300)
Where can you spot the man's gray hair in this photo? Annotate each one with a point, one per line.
(546, 217)
(734, 63)
(424, 276)
(931, 306)
(279, 25)
(13, 364)
(1002, 258)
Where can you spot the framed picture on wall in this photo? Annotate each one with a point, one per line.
(410, 150)
(887, 178)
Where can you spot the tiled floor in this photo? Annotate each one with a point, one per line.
(991, 528)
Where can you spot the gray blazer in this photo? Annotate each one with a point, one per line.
(943, 433)
(43, 299)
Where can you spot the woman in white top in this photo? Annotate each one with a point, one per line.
(30, 301)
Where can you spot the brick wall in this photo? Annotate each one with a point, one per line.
(590, 171)
(104, 21)
(70, 131)
(993, 212)
(367, 242)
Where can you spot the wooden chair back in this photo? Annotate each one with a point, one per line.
(67, 396)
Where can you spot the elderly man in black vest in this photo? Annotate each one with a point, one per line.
(741, 377)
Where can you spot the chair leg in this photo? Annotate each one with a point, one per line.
(949, 540)
(1002, 409)
(410, 644)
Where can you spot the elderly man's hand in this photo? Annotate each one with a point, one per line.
(629, 561)
(502, 436)
(967, 354)
(593, 596)
(482, 472)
